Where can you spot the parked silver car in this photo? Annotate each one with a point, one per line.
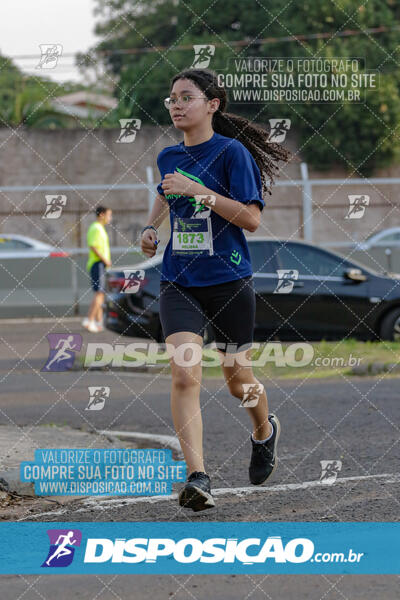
(385, 237)
(13, 245)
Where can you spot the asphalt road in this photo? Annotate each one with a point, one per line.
(354, 420)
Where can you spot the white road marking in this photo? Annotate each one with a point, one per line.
(242, 491)
(105, 502)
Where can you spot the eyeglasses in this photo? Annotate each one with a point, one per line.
(170, 102)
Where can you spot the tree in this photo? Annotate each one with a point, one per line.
(359, 136)
(26, 99)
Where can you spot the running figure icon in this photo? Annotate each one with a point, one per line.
(279, 129)
(286, 281)
(63, 349)
(62, 549)
(62, 346)
(63, 545)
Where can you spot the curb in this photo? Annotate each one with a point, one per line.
(375, 368)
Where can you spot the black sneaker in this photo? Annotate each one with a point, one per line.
(264, 458)
(197, 492)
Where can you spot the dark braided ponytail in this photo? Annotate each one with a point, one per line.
(265, 154)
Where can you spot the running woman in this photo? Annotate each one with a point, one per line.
(212, 186)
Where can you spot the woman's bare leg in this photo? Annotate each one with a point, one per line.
(185, 398)
(235, 377)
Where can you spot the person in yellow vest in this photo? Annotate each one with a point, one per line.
(99, 258)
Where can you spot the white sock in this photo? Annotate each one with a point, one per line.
(266, 439)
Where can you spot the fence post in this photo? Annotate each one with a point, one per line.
(307, 204)
(74, 286)
(150, 183)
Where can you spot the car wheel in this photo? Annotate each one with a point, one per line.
(390, 327)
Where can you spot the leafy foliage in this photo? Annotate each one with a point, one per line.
(360, 136)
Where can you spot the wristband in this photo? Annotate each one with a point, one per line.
(148, 227)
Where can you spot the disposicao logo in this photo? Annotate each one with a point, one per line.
(191, 550)
(62, 547)
(101, 553)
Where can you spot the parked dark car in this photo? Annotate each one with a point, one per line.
(331, 298)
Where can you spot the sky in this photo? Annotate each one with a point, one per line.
(24, 24)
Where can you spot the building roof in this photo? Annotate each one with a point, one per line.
(83, 103)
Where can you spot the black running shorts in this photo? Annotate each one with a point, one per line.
(228, 307)
(97, 276)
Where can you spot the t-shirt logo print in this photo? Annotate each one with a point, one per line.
(198, 207)
(236, 257)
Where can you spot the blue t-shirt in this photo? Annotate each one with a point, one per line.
(225, 166)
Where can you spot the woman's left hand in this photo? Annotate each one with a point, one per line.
(176, 183)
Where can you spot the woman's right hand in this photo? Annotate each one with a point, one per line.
(147, 244)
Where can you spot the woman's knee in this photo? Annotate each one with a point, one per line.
(184, 378)
(236, 386)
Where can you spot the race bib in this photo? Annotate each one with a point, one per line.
(192, 236)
